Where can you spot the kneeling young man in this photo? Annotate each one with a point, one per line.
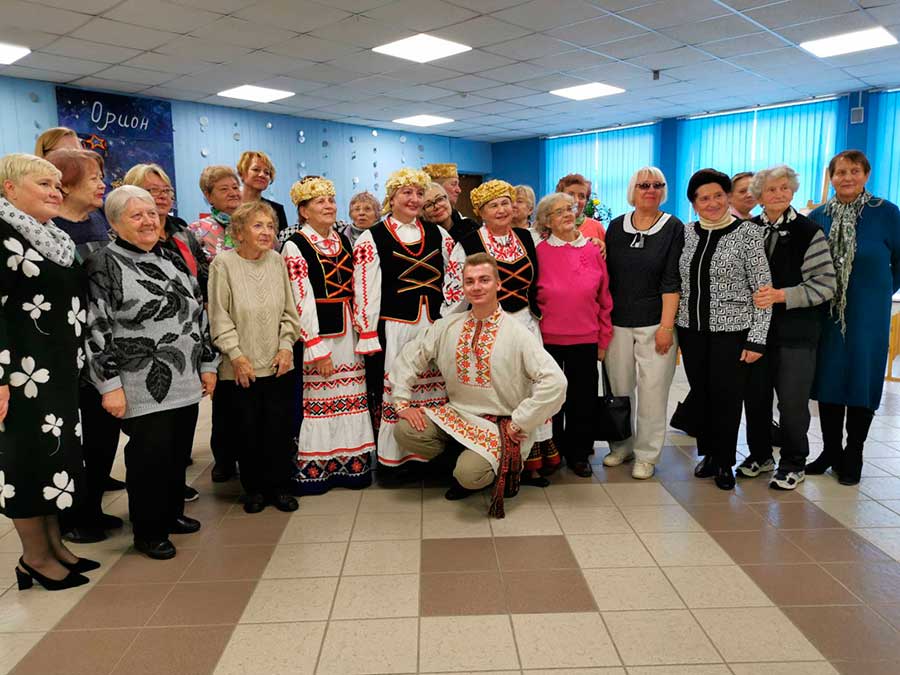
(501, 385)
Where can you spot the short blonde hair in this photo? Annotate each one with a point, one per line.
(138, 174)
(49, 138)
(117, 201)
(247, 157)
(15, 166)
(527, 192)
(655, 173)
(545, 206)
(246, 212)
(213, 174)
(365, 197)
(482, 258)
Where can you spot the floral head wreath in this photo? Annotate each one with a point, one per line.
(441, 171)
(491, 190)
(401, 178)
(310, 188)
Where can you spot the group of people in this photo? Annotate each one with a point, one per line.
(413, 339)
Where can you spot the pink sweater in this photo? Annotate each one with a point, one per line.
(573, 295)
(592, 229)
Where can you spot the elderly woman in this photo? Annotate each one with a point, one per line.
(41, 325)
(864, 237)
(257, 174)
(437, 209)
(56, 138)
(802, 280)
(579, 187)
(447, 176)
(720, 330)
(83, 190)
(643, 248)
(574, 301)
(398, 268)
(255, 324)
(334, 448)
(364, 209)
(523, 206)
(152, 361)
(222, 189)
(742, 198)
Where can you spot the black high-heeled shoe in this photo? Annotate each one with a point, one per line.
(83, 565)
(27, 578)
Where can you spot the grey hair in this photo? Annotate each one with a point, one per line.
(545, 206)
(760, 178)
(117, 201)
(656, 173)
(527, 191)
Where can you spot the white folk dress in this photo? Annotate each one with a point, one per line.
(335, 442)
(493, 368)
(429, 390)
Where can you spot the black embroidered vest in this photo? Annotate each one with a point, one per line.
(331, 278)
(518, 279)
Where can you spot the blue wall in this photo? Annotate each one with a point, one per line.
(349, 155)
(520, 162)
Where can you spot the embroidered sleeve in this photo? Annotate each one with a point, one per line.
(366, 293)
(757, 273)
(415, 358)
(454, 300)
(104, 288)
(289, 327)
(305, 303)
(548, 389)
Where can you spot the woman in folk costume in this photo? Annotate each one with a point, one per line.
(516, 256)
(398, 275)
(335, 442)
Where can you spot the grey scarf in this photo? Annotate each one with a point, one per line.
(842, 242)
(50, 241)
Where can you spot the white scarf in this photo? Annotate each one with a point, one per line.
(50, 241)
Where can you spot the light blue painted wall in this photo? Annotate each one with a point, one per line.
(520, 163)
(339, 151)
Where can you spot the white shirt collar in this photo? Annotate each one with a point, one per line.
(553, 240)
(657, 226)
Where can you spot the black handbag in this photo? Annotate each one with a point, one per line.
(613, 413)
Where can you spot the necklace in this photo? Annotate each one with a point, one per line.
(506, 250)
(651, 221)
(392, 226)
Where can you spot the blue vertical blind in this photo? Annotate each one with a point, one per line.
(606, 158)
(884, 145)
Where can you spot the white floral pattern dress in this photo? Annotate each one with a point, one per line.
(42, 316)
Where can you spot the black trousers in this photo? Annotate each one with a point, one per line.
(831, 420)
(573, 429)
(154, 464)
(222, 433)
(789, 372)
(263, 415)
(718, 379)
(100, 440)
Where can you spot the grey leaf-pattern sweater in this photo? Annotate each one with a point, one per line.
(148, 330)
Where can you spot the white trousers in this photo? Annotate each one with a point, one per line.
(637, 371)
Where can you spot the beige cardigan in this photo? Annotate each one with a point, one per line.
(251, 310)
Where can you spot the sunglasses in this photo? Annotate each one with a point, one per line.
(647, 186)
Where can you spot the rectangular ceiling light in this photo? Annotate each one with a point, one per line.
(250, 92)
(847, 43)
(422, 48)
(423, 120)
(11, 53)
(583, 92)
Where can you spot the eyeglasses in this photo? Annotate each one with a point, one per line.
(427, 206)
(647, 186)
(161, 192)
(556, 213)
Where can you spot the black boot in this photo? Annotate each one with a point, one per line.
(831, 421)
(849, 469)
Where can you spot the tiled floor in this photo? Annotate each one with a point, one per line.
(590, 576)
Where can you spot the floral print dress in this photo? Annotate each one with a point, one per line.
(42, 317)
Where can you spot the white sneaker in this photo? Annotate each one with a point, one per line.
(613, 459)
(642, 470)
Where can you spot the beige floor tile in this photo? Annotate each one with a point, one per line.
(889, 464)
(716, 586)
(468, 522)
(14, 646)
(332, 502)
(860, 513)
(892, 504)
(599, 520)
(276, 600)
(373, 646)
(659, 638)
(391, 501)
(433, 500)
(666, 518)
(290, 561)
(731, 630)
(881, 487)
(592, 647)
(377, 597)
(628, 589)
(685, 548)
(303, 529)
(812, 668)
(610, 550)
(639, 494)
(36, 610)
(525, 522)
(575, 671)
(680, 670)
(885, 538)
(820, 488)
(578, 496)
(382, 557)
(382, 526)
(274, 649)
(460, 643)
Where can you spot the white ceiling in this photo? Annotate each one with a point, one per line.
(712, 54)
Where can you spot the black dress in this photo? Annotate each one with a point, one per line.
(42, 330)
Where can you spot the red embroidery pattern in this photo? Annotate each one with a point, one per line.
(389, 411)
(479, 436)
(363, 254)
(335, 407)
(474, 349)
(511, 251)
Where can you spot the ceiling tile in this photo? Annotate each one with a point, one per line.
(507, 91)
(533, 47)
(597, 31)
(700, 31)
(301, 16)
(368, 62)
(33, 39)
(109, 85)
(357, 5)
(462, 100)
(168, 64)
(534, 14)
(474, 61)
(312, 48)
(322, 72)
(161, 15)
(813, 30)
(482, 31)
(572, 60)
(536, 101)
(683, 56)
(551, 82)
(487, 6)
(421, 92)
(35, 74)
(204, 50)
(422, 73)
(96, 51)
(467, 83)
(361, 31)
(136, 75)
(243, 33)
(496, 108)
(272, 63)
(420, 15)
(703, 71)
(23, 15)
(787, 13)
(378, 84)
(674, 13)
(515, 72)
(219, 6)
(84, 6)
(122, 34)
(171, 92)
(750, 44)
(646, 43)
(63, 64)
(887, 13)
